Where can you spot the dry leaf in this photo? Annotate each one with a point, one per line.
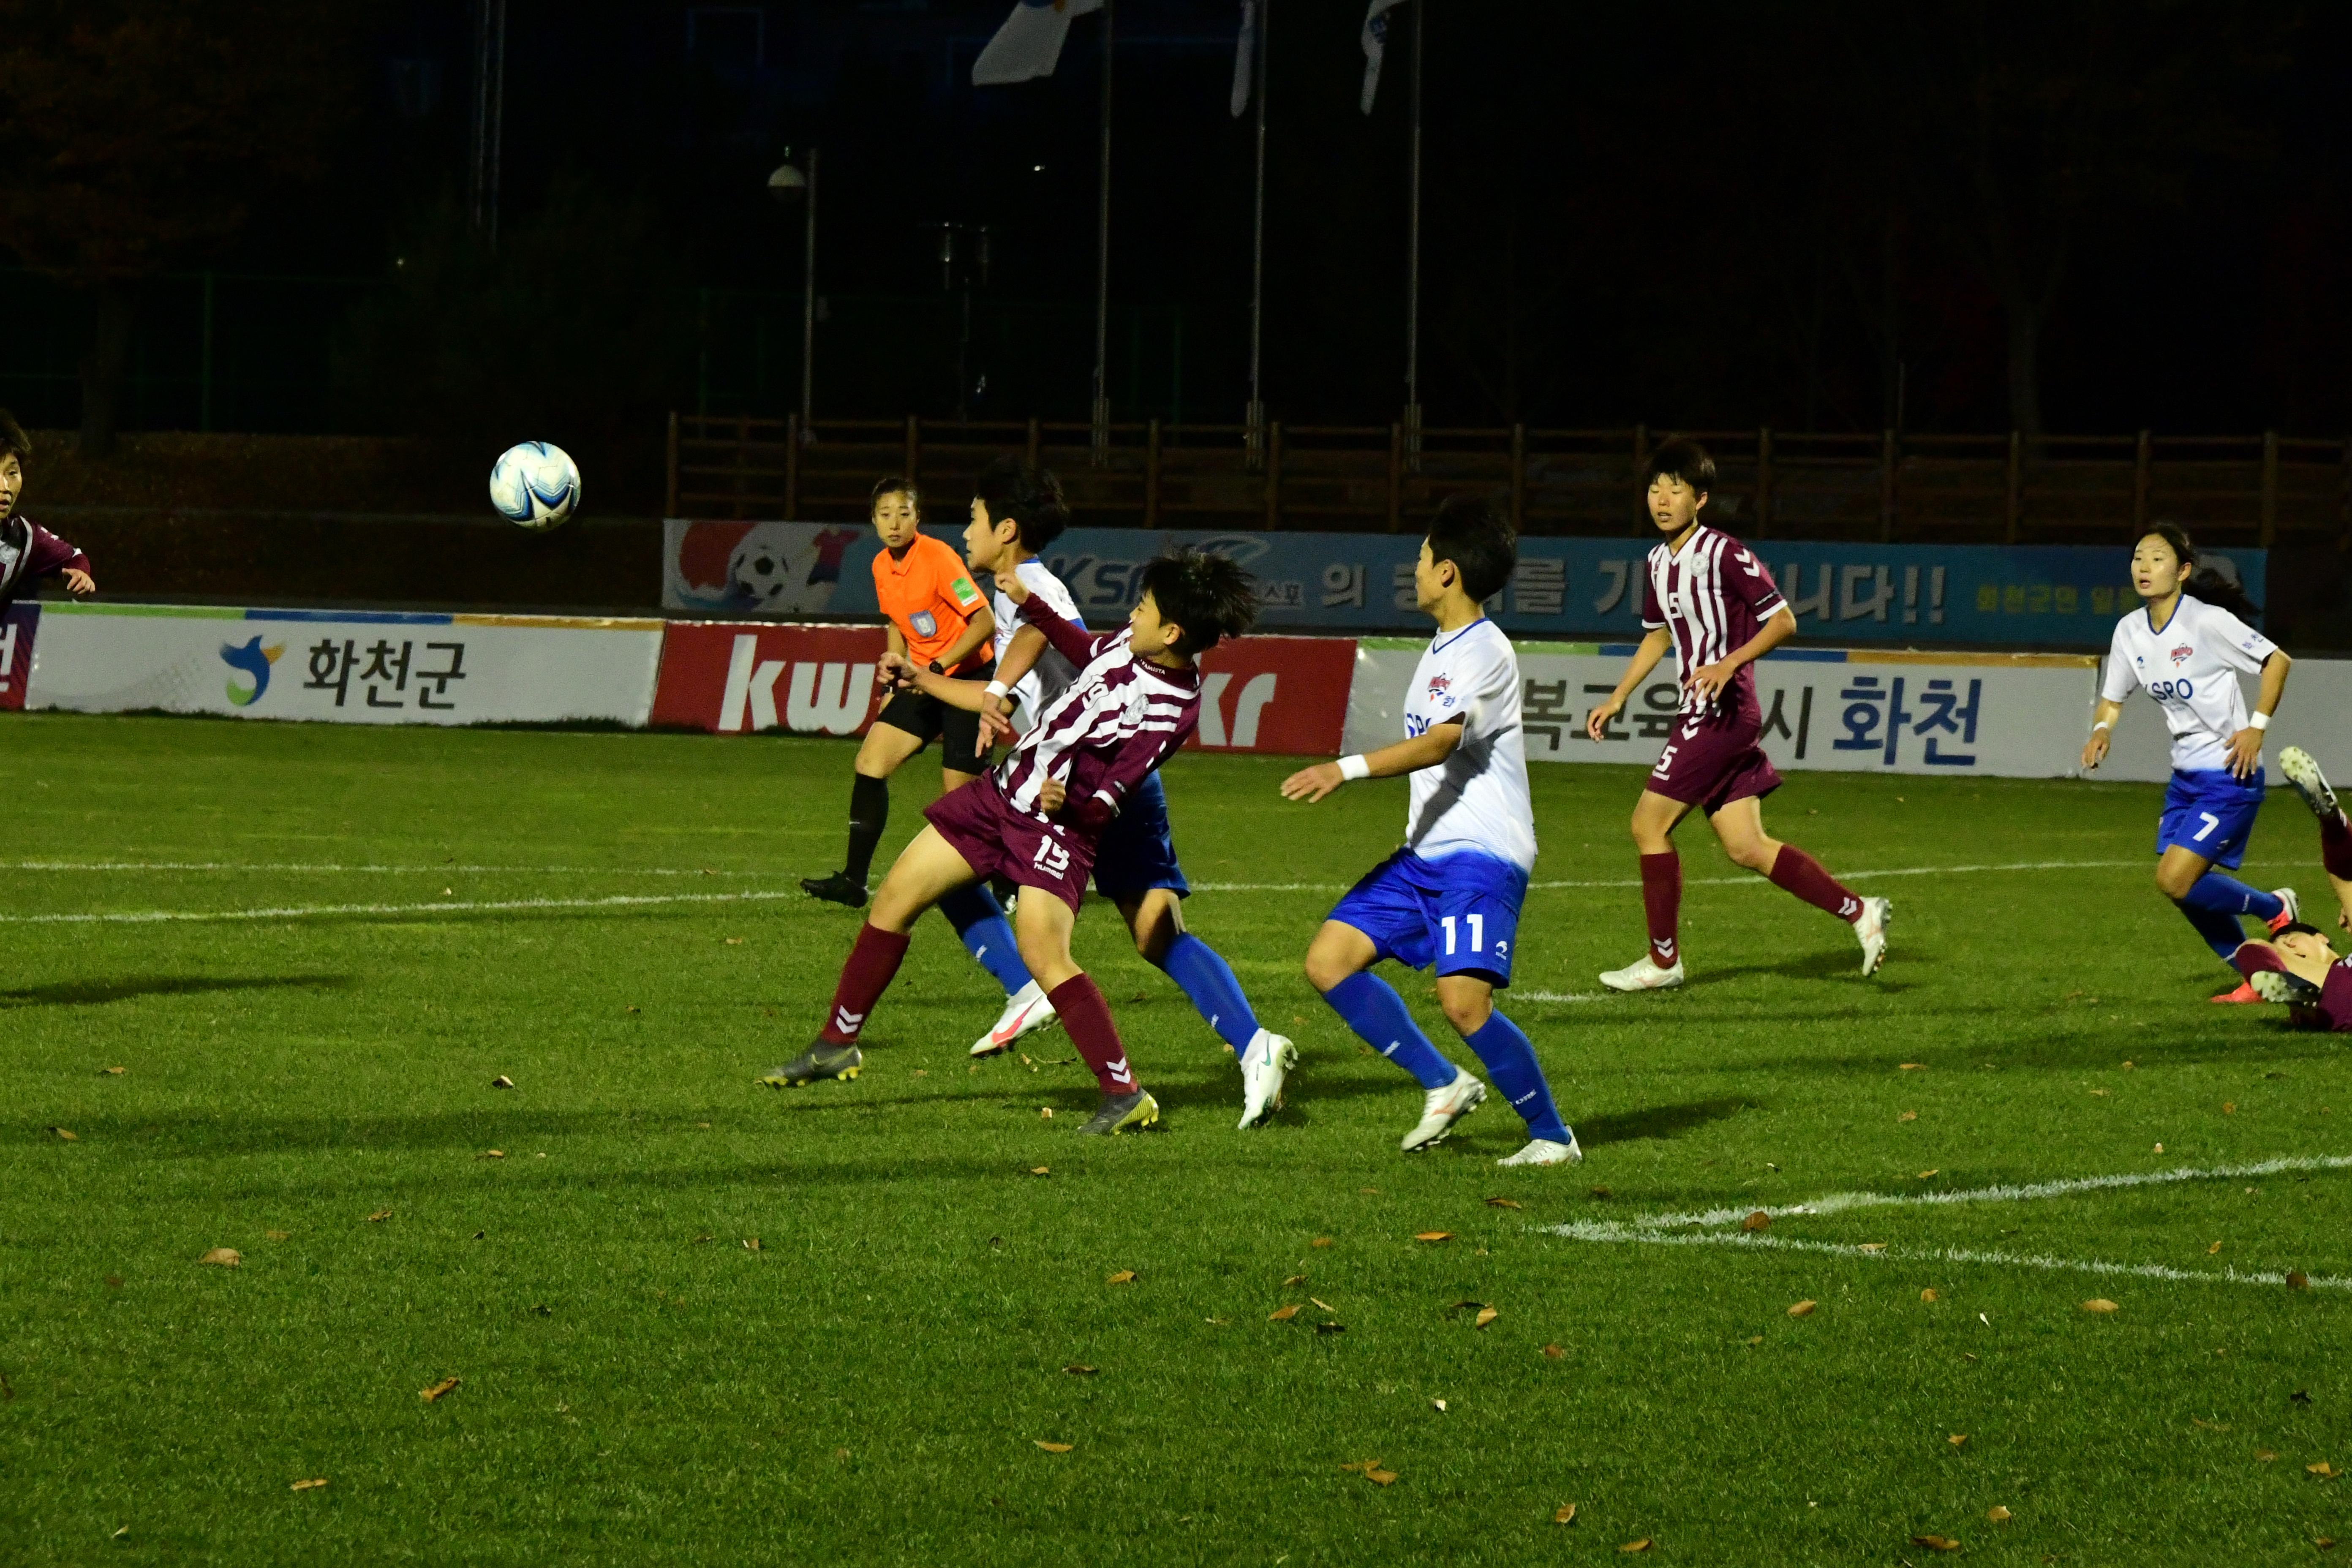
(699, 1239)
(1045, 1114)
(1485, 1316)
(2212, 1249)
(1554, 1351)
(1380, 1478)
(1641, 1545)
(1759, 1220)
(1361, 1467)
(1935, 1542)
(1322, 1303)
(2098, 1304)
(1958, 1439)
(2264, 1456)
(633, 1009)
(1911, 1067)
(1504, 1203)
(65, 1134)
(1320, 1241)
(447, 1385)
(1908, 1116)
(2100, 1093)
(1294, 1279)
(1929, 1294)
(1283, 1314)
(1925, 1174)
(1567, 1515)
(1432, 1236)
(1040, 1170)
(491, 1155)
(1076, 1370)
(2325, 1542)
(379, 1216)
(2127, 1067)
(1439, 1404)
(2323, 1470)
(1999, 1514)
(1051, 1447)
(1756, 1339)
(1802, 1310)
(1124, 1277)
(2159, 1148)
(1369, 1191)
(750, 1244)
(277, 1234)
(114, 1072)
(311, 1484)
(2229, 1107)
(734, 942)
(502, 1081)
(225, 1255)
(2296, 1280)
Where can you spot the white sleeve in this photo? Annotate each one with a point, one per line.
(1490, 678)
(2118, 680)
(2236, 644)
(1055, 592)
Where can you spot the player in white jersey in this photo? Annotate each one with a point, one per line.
(1451, 896)
(2186, 647)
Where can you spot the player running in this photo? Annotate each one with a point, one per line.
(1039, 815)
(1711, 601)
(1451, 894)
(1135, 864)
(937, 618)
(2186, 649)
(29, 552)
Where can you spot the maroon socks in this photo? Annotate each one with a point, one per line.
(1662, 902)
(1085, 1017)
(872, 964)
(2335, 846)
(1800, 874)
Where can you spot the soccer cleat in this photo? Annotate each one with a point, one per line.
(2245, 993)
(820, 1060)
(1544, 1152)
(837, 889)
(2291, 911)
(1120, 1112)
(1870, 927)
(2301, 770)
(1442, 1109)
(2274, 986)
(1025, 1010)
(1269, 1059)
(1643, 975)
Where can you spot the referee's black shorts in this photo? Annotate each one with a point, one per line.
(925, 717)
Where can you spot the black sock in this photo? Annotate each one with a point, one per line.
(869, 813)
(1005, 888)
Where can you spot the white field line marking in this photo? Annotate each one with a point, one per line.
(1607, 1232)
(1559, 996)
(1710, 881)
(462, 905)
(234, 866)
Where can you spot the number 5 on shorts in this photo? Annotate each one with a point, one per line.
(2211, 822)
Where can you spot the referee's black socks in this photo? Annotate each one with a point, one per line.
(869, 813)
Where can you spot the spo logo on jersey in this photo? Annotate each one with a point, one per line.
(2172, 690)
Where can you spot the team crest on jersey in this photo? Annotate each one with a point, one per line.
(926, 625)
(1441, 688)
(2181, 655)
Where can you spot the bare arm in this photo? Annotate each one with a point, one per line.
(2103, 727)
(2246, 746)
(1645, 660)
(894, 640)
(1425, 749)
(1710, 679)
(976, 633)
(969, 695)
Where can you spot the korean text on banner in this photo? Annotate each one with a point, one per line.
(739, 677)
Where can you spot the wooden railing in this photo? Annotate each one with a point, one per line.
(2002, 489)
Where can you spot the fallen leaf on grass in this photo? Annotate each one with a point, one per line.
(1124, 1277)
(1040, 1170)
(1925, 1174)
(1641, 1545)
(1999, 1514)
(1432, 1236)
(1485, 1316)
(2159, 1148)
(1076, 1370)
(1759, 1220)
(1756, 1339)
(1283, 1314)
(1958, 1439)
(275, 1234)
(1935, 1542)
(433, 1395)
(1369, 1191)
(1504, 1203)
(114, 1072)
(2212, 1249)
(699, 1240)
(226, 1256)
(65, 1134)
(1929, 1294)
(1554, 1352)
(311, 1484)
(734, 942)
(1910, 1066)
(1294, 1279)
(2127, 1067)
(2323, 1470)
(2229, 1107)
(379, 1216)
(633, 1009)
(2101, 1092)
(1320, 1241)
(1908, 1116)
(1045, 1114)
(502, 1081)
(2098, 1304)
(1567, 1514)
(2325, 1542)
(491, 1155)
(1802, 1310)
(1051, 1447)
(750, 1244)
(2264, 1456)
(1439, 1404)
(1361, 1467)
(2296, 1280)
(1380, 1478)
(1322, 1303)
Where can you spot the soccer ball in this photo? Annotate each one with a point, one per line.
(535, 486)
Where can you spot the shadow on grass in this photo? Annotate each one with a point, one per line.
(1658, 1121)
(84, 993)
(1840, 964)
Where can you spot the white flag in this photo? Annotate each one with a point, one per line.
(1029, 45)
(1376, 40)
(1245, 50)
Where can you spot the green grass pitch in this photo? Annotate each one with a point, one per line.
(874, 1381)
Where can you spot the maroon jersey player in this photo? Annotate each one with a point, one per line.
(1038, 815)
(29, 552)
(1709, 599)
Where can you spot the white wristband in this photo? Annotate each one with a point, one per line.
(997, 688)
(1355, 767)
(2260, 721)
(2103, 724)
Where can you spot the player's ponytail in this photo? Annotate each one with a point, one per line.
(2208, 583)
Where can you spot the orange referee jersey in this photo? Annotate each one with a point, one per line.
(929, 597)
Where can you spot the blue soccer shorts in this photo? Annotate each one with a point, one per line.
(1461, 912)
(1137, 852)
(2210, 812)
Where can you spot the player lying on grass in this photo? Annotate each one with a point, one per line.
(2298, 968)
(1135, 863)
(2301, 771)
(29, 552)
(1451, 896)
(936, 618)
(2185, 647)
(1039, 815)
(1711, 601)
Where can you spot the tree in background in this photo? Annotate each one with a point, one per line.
(141, 132)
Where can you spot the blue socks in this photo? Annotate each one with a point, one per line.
(2214, 902)
(980, 919)
(1510, 1061)
(1373, 1009)
(1208, 979)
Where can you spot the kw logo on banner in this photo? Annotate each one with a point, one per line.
(1247, 710)
(828, 698)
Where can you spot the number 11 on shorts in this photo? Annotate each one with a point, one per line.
(1477, 923)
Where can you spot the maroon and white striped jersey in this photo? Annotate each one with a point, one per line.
(1715, 594)
(1119, 718)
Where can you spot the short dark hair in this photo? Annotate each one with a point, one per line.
(895, 484)
(1681, 460)
(1469, 531)
(12, 438)
(2300, 928)
(1208, 597)
(1029, 495)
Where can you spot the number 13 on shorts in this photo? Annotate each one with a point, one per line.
(1477, 924)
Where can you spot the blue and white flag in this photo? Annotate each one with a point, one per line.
(1376, 40)
(1245, 61)
(1029, 45)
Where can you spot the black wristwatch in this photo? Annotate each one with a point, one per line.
(934, 668)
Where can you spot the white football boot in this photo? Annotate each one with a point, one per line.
(1544, 1152)
(1643, 975)
(1269, 1061)
(1870, 929)
(1442, 1109)
(1025, 1011)
(2301, 771)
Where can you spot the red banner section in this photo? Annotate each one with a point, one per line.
(1285, 695)
(18, 628)
(734, 677)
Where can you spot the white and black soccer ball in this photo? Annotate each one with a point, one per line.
(535, 486)
(768, 566)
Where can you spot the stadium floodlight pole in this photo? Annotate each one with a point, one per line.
(1412, 256)
(490, 114)
(786, 184)
(1255, 441)
(1102, 263)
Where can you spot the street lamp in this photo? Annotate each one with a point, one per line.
(789, 185)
